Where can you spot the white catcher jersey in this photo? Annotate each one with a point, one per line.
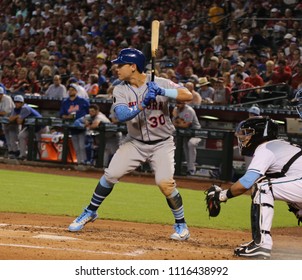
(270, 157)
(153, 123)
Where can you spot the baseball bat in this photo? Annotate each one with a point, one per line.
(154, 45)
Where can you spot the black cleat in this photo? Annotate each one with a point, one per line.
(252, 250)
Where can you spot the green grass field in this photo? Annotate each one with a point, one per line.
(26, 192)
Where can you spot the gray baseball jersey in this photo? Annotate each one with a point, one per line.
(152, 124)
(149, 125)
(188, 115)
(190, 143)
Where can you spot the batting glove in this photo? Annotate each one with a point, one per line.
(153, 87)
(150, 96)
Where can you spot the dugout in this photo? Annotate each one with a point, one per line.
(208, 157)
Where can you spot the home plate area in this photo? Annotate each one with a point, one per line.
(36, 237)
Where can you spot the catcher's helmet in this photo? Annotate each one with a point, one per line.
(254, 131)
(298, 101)
(132, 56)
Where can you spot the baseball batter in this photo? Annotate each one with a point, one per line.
(273, 174)
(144, 106)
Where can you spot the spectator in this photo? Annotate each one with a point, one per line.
(296, 81)
(64, 72)
(217, 43)
(185, 61)
(92, 88)
(56, 90)
(254, 78)
(225, 66)
(45, 78)
(232, 44)
(294, 59)
(22, 84)
(184, 116)
(227, 80)
(239, 69)
(20, 113)
(197, 68)
(240, 84)
(205, 90)
(52, 64)
(196, 96)
(280, 75)
(222, 93)
(33, 83)
(206, 57)
(74, 108)
(51, 47)
(101, 57)
(267, 74)
(227, 54)
(189, 76)
(213, 69)
(170, 56)
(81, 91)
(216, 14)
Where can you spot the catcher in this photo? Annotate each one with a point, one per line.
(273, 174)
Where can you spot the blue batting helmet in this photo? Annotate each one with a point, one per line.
(132, 56)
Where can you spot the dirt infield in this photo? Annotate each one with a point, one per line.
(33, 237)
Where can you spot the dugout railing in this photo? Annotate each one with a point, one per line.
(221, 157)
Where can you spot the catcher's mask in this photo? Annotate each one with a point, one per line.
(298, 102)
(254, 131)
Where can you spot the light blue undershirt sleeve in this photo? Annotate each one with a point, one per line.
(125, 113)
(172, 93)
(249, 178)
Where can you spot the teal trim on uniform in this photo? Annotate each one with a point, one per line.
(282, 182)
(172, 93)
(105, 184)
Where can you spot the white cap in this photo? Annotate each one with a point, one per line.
(254, 110)
(241, 63)
(19, 98)
(288, 36)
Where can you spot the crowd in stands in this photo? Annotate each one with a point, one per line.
(219, 46)
(219, 50)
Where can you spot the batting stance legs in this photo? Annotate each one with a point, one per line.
(128, 157)
(262, 211)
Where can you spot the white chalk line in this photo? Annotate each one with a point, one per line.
(54, 237)
(134, 253)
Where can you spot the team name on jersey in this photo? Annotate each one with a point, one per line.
(153, 105)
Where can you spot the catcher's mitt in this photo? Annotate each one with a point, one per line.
(212, 200)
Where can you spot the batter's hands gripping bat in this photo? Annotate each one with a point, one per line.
(154, 45)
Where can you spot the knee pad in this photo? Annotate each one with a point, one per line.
(167, 187)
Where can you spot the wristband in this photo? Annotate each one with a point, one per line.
(229, 193)
(172, 93)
